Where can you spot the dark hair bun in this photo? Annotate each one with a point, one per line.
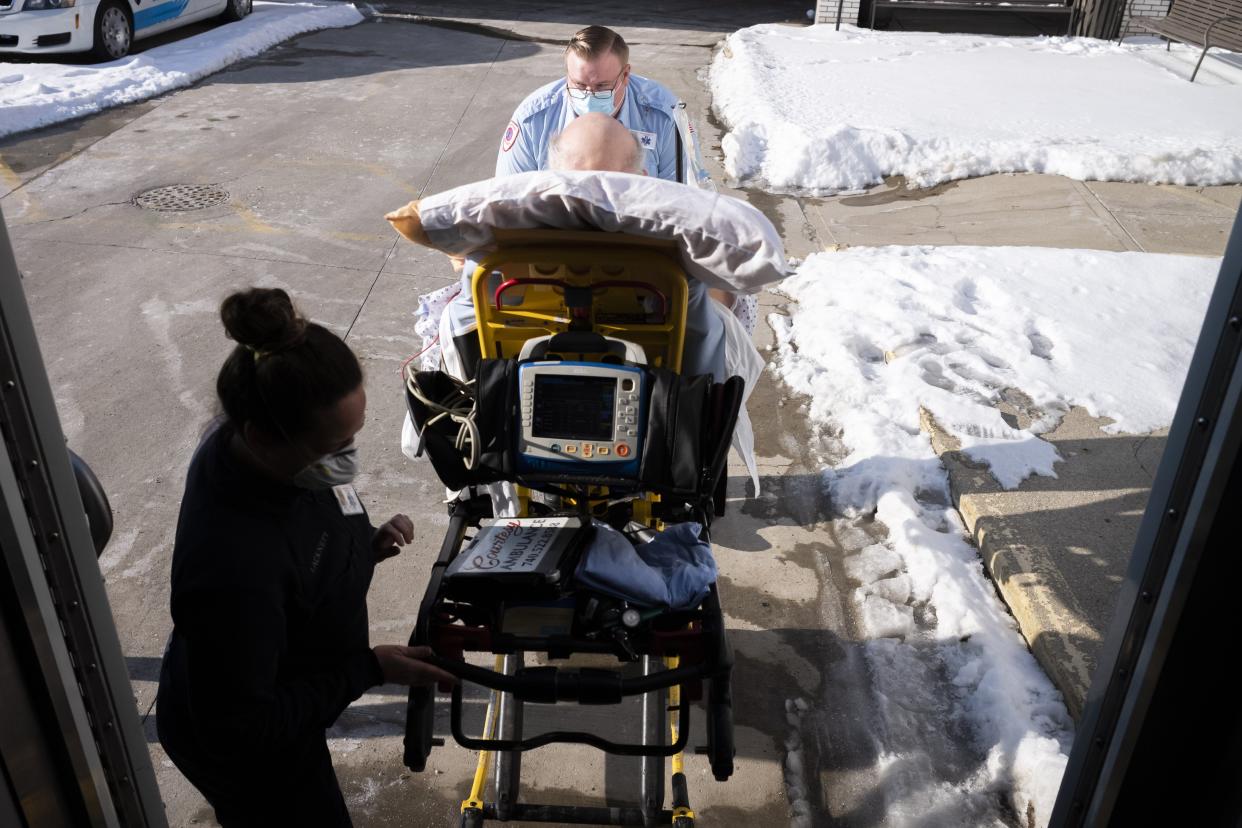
(263, 319)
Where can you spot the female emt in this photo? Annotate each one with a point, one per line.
(274, 554)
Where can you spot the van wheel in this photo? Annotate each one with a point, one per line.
(236, 10)
(114, 31)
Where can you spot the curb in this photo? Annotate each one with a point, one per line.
(1057, 548)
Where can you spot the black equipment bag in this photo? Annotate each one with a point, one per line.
(689, 427)
(496, 385)
(690, 424)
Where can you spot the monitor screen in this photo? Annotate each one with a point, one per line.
(573, 408)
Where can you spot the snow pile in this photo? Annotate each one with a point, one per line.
(38, 94)
(796, 785)
(879, 332)
(820, 110)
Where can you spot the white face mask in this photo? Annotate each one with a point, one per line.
(603, 102)
(335, 469)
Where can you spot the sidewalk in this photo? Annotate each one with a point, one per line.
(1057, 548)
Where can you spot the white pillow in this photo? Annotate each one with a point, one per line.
(724, 242)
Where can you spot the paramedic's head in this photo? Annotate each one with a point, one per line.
(597, 67)
(291, 390)
(596, 142)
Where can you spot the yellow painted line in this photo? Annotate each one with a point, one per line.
(27, 207)
(11, 178)
(253, 222)
(377, 170)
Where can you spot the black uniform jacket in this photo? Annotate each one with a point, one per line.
(270, 636)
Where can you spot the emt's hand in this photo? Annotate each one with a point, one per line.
(389, 538)
(404, 665)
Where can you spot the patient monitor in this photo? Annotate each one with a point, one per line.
(580, 418)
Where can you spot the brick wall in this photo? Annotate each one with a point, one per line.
(1145, 8)
(826, 11)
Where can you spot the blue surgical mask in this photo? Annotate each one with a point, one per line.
(604, 102)
(335, 469)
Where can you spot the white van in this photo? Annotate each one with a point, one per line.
(106, 28)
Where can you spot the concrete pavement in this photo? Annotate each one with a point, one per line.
(1056, 547)
(314, 141)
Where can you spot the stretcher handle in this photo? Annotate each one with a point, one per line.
(548, 685)
(571, 736)
(561, 283)
(508, 283)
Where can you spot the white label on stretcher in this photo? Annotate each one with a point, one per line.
(512, 545)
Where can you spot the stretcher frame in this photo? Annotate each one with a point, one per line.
(548, 282)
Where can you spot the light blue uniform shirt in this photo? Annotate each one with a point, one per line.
(646, 110)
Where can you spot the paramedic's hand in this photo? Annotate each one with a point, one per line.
(389, 538)
(405, 665)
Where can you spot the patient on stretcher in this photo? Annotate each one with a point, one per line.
(594, 143)
(727, 245)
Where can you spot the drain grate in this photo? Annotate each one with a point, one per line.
(178, 198)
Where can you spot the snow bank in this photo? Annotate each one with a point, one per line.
(882, 331)
(38, 94)
(819, 110)
(875, 334)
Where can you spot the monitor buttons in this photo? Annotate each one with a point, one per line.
(623, 450)
(602, 450)
(572, 448)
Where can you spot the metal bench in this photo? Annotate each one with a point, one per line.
(1019, 6)
(1210, 22)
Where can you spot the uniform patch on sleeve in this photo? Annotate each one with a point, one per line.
(646, 140)
(511, 135)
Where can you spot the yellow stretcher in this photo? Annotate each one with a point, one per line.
(541, 283)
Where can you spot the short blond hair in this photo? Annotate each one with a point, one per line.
(596, 41)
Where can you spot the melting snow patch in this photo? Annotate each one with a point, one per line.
(879, 333)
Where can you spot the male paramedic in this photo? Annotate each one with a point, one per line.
(597, 79)
(596, 142)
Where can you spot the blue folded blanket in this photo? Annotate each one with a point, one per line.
(674, 570)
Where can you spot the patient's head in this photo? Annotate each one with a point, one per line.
(596, 142)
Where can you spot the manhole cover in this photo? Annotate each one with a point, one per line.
(177, 198)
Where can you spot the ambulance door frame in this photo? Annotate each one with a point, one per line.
(85, 752)
(1133, 698)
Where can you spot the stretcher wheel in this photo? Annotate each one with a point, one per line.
(683, 822)
(420, 718)
(509, 762)
(720, 497)
(472, 818)
(720, 748)
(655, 725)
